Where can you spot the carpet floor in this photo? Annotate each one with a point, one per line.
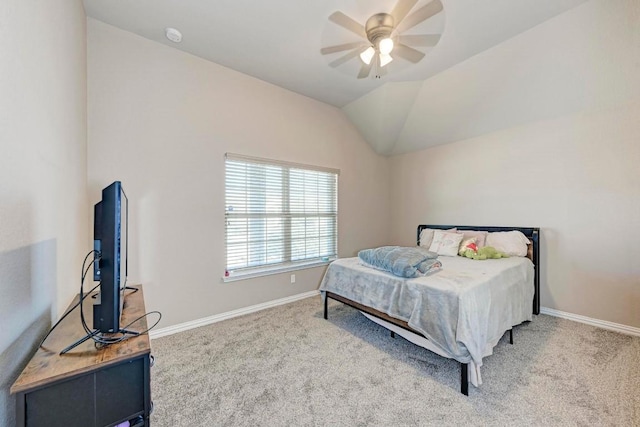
(287, 366)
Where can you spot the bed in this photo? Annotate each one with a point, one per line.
(459, 312)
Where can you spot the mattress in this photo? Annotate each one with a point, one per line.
(462, 310)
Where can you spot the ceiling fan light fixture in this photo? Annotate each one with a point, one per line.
(385, 59)
(384, 35)
(367, 55)
(385, 46)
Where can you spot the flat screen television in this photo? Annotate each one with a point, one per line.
(110, 266)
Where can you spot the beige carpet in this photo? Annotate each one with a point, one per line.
(287, 366)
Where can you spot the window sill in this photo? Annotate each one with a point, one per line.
(275, 270)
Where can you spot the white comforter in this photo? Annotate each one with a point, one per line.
(463, 309)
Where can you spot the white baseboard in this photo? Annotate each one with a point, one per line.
(181, 327)
(617, 327)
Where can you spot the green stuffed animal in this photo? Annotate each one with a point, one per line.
(487, 252)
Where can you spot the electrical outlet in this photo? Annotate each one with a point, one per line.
(293, 278)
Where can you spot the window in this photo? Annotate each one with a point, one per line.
(279, 216)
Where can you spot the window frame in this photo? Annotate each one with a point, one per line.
(286, 216)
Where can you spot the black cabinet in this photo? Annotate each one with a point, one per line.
(105, 397)
(88, 387)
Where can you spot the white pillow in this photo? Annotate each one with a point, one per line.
(481, 236)
(426, 236)
(512, 243)
(445, 243)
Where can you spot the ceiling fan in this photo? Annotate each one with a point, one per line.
(383, 37)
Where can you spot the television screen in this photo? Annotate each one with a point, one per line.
(110, 242)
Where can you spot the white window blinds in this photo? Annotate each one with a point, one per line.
(278, 214)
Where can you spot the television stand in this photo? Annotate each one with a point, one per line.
(93, 334)
(88, 386)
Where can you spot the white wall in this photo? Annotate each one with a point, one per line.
(43, 201)
(160, 120)
(561, 155)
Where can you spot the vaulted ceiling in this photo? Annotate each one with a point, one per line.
(279, 41)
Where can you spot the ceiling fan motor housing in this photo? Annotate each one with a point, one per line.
(378, 27)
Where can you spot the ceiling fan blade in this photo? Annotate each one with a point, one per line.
(365, 70)
(408, 53)
(348, 23)
(340, 47)
(401, 9)
(420, 15)
(427, 40)
(344, 58)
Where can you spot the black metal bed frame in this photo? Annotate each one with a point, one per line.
(533, 234)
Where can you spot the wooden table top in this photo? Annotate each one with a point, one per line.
(47, 365)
